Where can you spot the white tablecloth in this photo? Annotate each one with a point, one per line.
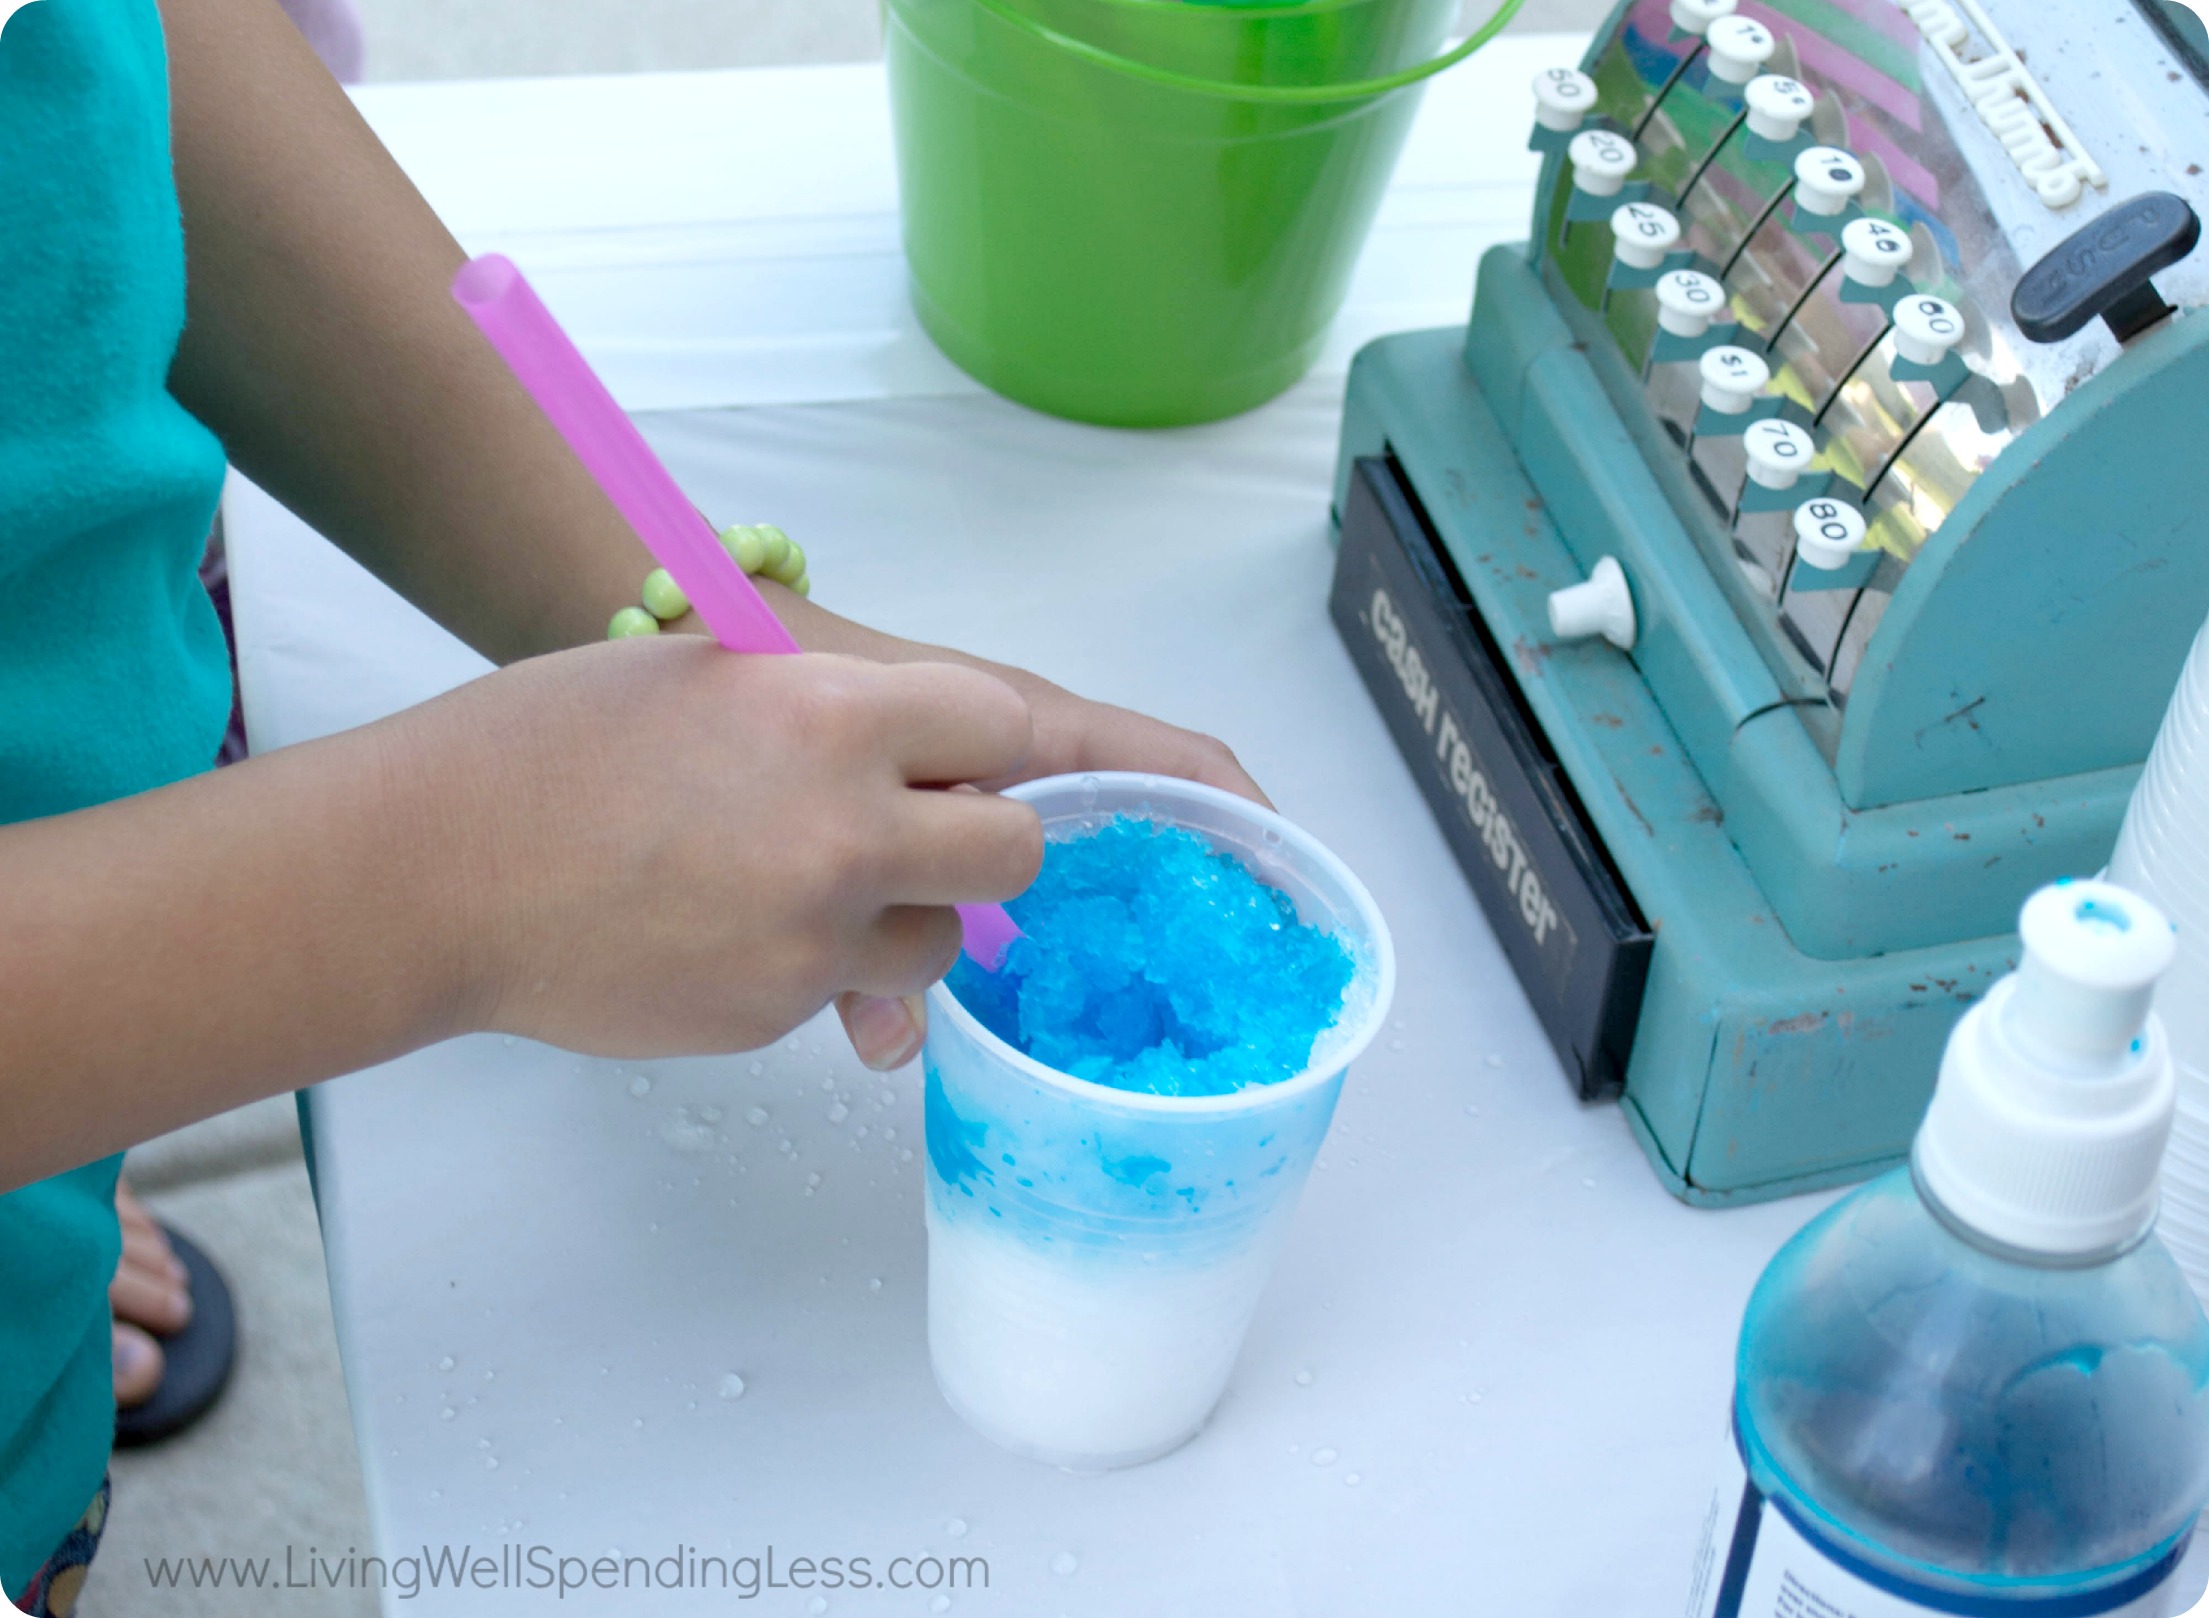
(1492, 1373)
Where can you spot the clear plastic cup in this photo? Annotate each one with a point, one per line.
(1095, 1255)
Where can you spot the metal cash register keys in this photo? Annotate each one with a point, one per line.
(1844, 402)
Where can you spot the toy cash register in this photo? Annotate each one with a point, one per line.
(1786, 571)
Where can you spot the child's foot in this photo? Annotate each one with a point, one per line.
(149, 1294)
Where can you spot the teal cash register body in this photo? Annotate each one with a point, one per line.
(1786, 570)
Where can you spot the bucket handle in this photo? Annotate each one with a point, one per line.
(1277, 95)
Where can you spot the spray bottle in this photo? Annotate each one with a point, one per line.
(1980, 1385)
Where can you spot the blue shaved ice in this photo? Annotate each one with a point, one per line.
(1151, 963)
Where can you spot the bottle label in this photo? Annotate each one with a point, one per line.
(1757, 1561)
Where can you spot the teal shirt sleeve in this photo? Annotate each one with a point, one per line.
(113, 676)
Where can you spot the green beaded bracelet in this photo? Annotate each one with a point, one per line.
(760, 549)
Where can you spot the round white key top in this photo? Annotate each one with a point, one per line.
(1601, 161)
(1695, 16)
(1828, 532)
(1827, 179)
(1602, 606)
(1873, 251)
(1642, 234)
(1779, 452)
(1562, 97)
(1732, 378)
(1777, 105)
(1739, 48)
(1688, 301)
(1926, 328)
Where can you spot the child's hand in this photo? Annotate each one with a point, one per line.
(1071, 734)
(668, 849)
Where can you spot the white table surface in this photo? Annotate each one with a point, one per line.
(1518, 1345)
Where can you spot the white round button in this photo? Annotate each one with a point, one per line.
(1642, 234)
(1602, 606)
(1779, 452)
(1777, 105)
(1601, 161)
(1872, 251)
(1739, 48)
(1695, 16)
(1688, 301)
(1827, 179)
(1562, 97)
(1926, 328)
(1828, 533)
(1732, 378)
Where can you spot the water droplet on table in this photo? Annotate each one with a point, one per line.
(490, 1463)
(446, 1363)
(756, 1117)
(483, 1443)
(813, 1179)
(1494, 1060)
(875, 1285)
(508, 1042)
(1304, 1378)
(1323, 1457)
(638, 1424)
(889, 1098)
(711, 1115)
(1395, 1044)
(838, 1113)
(732, 1386)
(818, 1605)
(447, 1413)
(905, 1154)
(1589, 1182)
(940, 1604)
(1066, 1564)
(758, 1068)
(640, 1085)
(1353, 1479)
(956, 1528)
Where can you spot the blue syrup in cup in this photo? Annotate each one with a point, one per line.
(1096, 1252)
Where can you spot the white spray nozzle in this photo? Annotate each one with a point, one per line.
(2056, 1094)
(2093, 952)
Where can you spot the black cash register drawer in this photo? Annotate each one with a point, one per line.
(1566, 921)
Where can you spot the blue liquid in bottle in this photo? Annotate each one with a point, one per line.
(1929, 1418)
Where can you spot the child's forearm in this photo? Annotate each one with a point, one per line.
(191, 949)
(323, 346)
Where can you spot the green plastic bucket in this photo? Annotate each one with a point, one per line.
(1146, 212)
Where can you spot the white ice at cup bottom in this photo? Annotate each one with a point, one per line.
(1084, 1366)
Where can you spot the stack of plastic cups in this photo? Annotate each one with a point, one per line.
(2163, 853)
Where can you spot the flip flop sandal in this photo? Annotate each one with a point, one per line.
(196, 1361)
